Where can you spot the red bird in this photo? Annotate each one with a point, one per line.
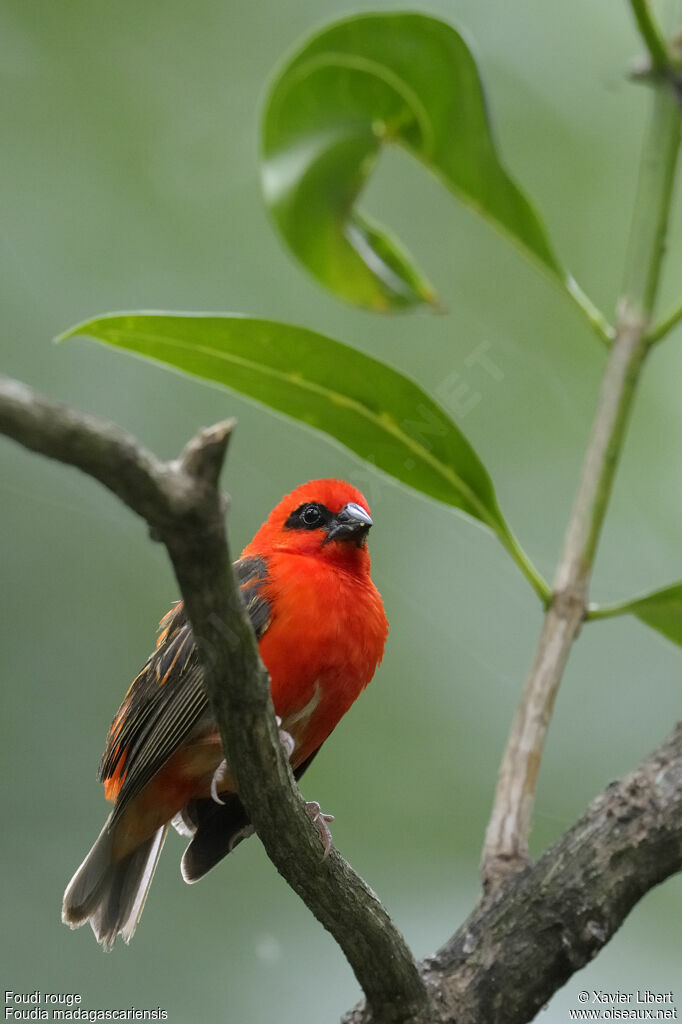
(321, 627)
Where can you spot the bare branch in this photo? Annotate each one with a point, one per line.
(545, 923)
(98, 448)
(184, 508)
(506, 843)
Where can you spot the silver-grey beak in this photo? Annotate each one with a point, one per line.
(352, 521)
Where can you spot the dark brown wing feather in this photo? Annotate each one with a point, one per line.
(166, 701)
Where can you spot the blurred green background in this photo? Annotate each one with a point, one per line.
(129, 180)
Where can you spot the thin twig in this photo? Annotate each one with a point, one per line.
(652, 36)
(181, 503)
(665, 325)
(506, 843)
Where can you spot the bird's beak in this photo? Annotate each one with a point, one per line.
(352, 522)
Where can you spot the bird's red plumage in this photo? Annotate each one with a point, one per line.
(329, 628)
(322, 633)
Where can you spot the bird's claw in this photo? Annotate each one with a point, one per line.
(218, 777)
(286, 739)
(220, 774)
(320, 819)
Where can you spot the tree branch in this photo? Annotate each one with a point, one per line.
(181, 503)
(505, 848)
(545, 923)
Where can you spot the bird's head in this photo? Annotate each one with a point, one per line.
(326, 518)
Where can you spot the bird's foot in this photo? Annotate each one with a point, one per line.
(219, 776)
(319, 820)
(221, 773)
(286, 739)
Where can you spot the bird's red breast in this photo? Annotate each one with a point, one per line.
(328, 628)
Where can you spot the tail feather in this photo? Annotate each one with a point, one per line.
(82, 892)
(216, 830)
(109, 895)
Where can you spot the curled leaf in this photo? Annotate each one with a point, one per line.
(360, 84)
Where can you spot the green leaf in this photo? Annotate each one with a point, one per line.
(372, 409)
(359, 84)
(661, 609)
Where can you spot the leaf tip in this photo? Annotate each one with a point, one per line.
(72, 332)
(436, 304)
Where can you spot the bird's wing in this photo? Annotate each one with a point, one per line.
(166, 701)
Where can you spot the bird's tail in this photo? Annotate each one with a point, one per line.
(111, 895)
(215, 830)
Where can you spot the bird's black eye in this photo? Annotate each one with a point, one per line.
(308, 517)
(311, 515)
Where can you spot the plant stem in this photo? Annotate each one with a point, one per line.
(506, 844)
(652, 205)
(595, 317)
(651, 34)
(608, 611)
(665, 325)
(537, 582)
